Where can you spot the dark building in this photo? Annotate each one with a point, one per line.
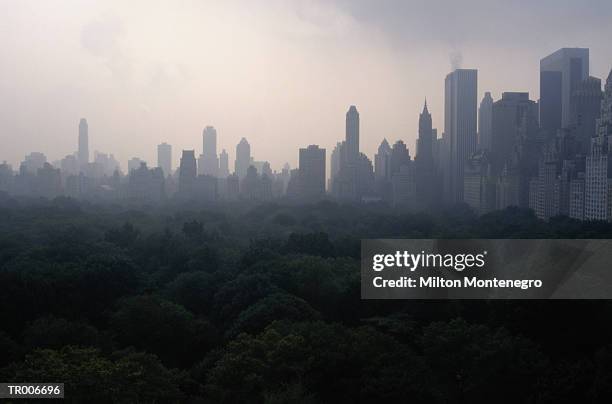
(485, 116)
(188, 172)
(426, 183)
(146, 184)
(586, 105)
(460, 98)
(352, 134)
(560, 74)
(312, 173)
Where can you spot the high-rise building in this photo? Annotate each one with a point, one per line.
(83, 143)
(188, 172)
(598, 173)
(164, 158)
(223, 164)
(425, 177)
(243, 158)
(586, 105)
(509, 115)
(424, 156)
(400, 156)
(560, 73)
(478, 184)
(352, 134)
(312, 173)
(485, 115)
(209, 160)
(382, 161)
(460, 93)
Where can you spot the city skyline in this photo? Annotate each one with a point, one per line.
(112, 65)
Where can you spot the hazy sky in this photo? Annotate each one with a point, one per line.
(280, 73)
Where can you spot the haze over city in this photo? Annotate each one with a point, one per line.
(281, 74)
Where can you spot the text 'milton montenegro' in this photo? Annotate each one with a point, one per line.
(486, 269)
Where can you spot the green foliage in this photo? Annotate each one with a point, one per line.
(182, 304)
(164, 328)
(90, 377)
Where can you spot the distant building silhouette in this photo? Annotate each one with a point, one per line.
(352, 134)
(164, 158)
(560, 73)
(425, 170)
(485, 116)
(585, 109)
(312, 173)
(459, 127)
(83, 143)
(223, 164)
(188, 172)
(513, 143)
(209, 161)
(146, 185)
(598, 176)
(243, 158)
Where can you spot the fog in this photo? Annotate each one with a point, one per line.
(280, 73)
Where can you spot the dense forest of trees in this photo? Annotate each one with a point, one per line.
(261, 304)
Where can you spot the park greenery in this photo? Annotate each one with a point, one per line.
(260, 303)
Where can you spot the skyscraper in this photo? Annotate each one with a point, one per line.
(83, 143)
(424, 162)
(425, 141)
(484, 122)
(586, 105)
(514, 130)
(598, 175)
(459, 126)
(312, 173)
(188, 172)
(382, 161)
(209, 160)
(243, 158)
(223, 164)
(352, 134)
(508, 116)
(164, 158)
(560, 73)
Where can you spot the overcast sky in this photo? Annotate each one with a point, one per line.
(280, 73)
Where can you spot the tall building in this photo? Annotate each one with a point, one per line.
(424, 162)
(382, 161)
(479, 185)
(312, 173)
(509, 115)
(352, 134)
(598, 175)
(164, 158)
(425, 140)
(209, 160)
(188, 171)
(485, 115)
(243, 158)
(560, 73)
(223, 164)
(83, 143)
(586, 105)
(460, 93)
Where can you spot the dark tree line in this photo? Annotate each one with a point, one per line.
(261, 304)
